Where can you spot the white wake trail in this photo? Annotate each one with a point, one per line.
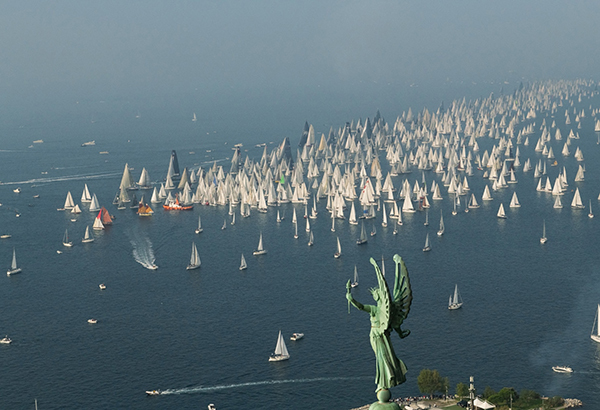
(207, 389)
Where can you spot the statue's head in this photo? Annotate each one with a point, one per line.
(375, 293)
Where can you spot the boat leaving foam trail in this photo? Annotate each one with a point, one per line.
(143, 253)
(208, 389)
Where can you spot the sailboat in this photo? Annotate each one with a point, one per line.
(576, 202)
(98, 225)
(543, 239)
(281, 352)
(363, 235)
(194, 259)
(243, 264)
(194, 119)
(355, 281)
(339, 249)
(278, 217)
(501, 214)
(332, 222)
(455, 301)
(87, 237)
(454, 211)
(442, 227)
(224, 225)
(311, 239)
(199, 228)
(296, 230)
(66, 240)
(233, 219)
(596, 335)
(591, 214)
(374, 231)
(14, 269)
(260, 250)
(426, 217)
(427, 247)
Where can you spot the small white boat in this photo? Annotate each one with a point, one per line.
(591, 214)
(596, 335)
(243, 264)
(5, 236)
(102, 286)
(311, 239)
(92, 321)
(562, 369)
(17, 190)
(14, 269)
(355, 281)
(297, 336)
(212, 407)
(261, 250)
(66, 240)
(199, 228)
(194, 258)
(152, 392)
(281, 352)
(87, 238)
(543, 239)
(455, 301)
(6, 340)
(224, 225)
(427, 246)
(501, 214)
(363, 235)
(339, 249)
(440, 232)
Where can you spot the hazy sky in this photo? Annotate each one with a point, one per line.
(139, 49)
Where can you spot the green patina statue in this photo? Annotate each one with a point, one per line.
(387, 315)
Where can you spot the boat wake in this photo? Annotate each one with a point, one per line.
(208, 389)
(143, 252)
(81, 177)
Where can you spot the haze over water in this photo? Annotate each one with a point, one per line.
(254, 74)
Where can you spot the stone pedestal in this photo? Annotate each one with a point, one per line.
(384, 403)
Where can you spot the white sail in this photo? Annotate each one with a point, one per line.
(86, 196)
(473, 202)
(144, 181)
(407, 206)
(260, 250)
(126, 180)
(69, 204)
(339, 249)
(87, 237)
(486, 194)
(66, 240)
(514, 202)
(455, 301)
(427, 246)
(194, 258)
(14, 268)
(94, 205)
(384, 222)
(76, 209)
(363, 235)
(543, 239)
(576, 202)
(243, 264)
(355, 281)
(501, 214)
(98, 225)
(596, 335)
(440, 232)
(352, 220)
(281, 352)
(199, 228)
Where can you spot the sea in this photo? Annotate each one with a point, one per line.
(205, 336)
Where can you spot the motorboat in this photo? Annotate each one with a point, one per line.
(5, 340)
(297, 336)
(152, 392)
(92, 321)
(562, 369)
(102, 286)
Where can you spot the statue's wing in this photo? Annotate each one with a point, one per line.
(402, 297)
(384, 304)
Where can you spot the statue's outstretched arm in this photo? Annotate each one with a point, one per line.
(351, 299)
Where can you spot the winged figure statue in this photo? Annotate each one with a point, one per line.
(387, 316)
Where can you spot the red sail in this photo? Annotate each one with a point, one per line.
(106, 218)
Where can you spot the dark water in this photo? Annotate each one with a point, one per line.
(205, 336)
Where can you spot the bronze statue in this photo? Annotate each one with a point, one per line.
(387, 315)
